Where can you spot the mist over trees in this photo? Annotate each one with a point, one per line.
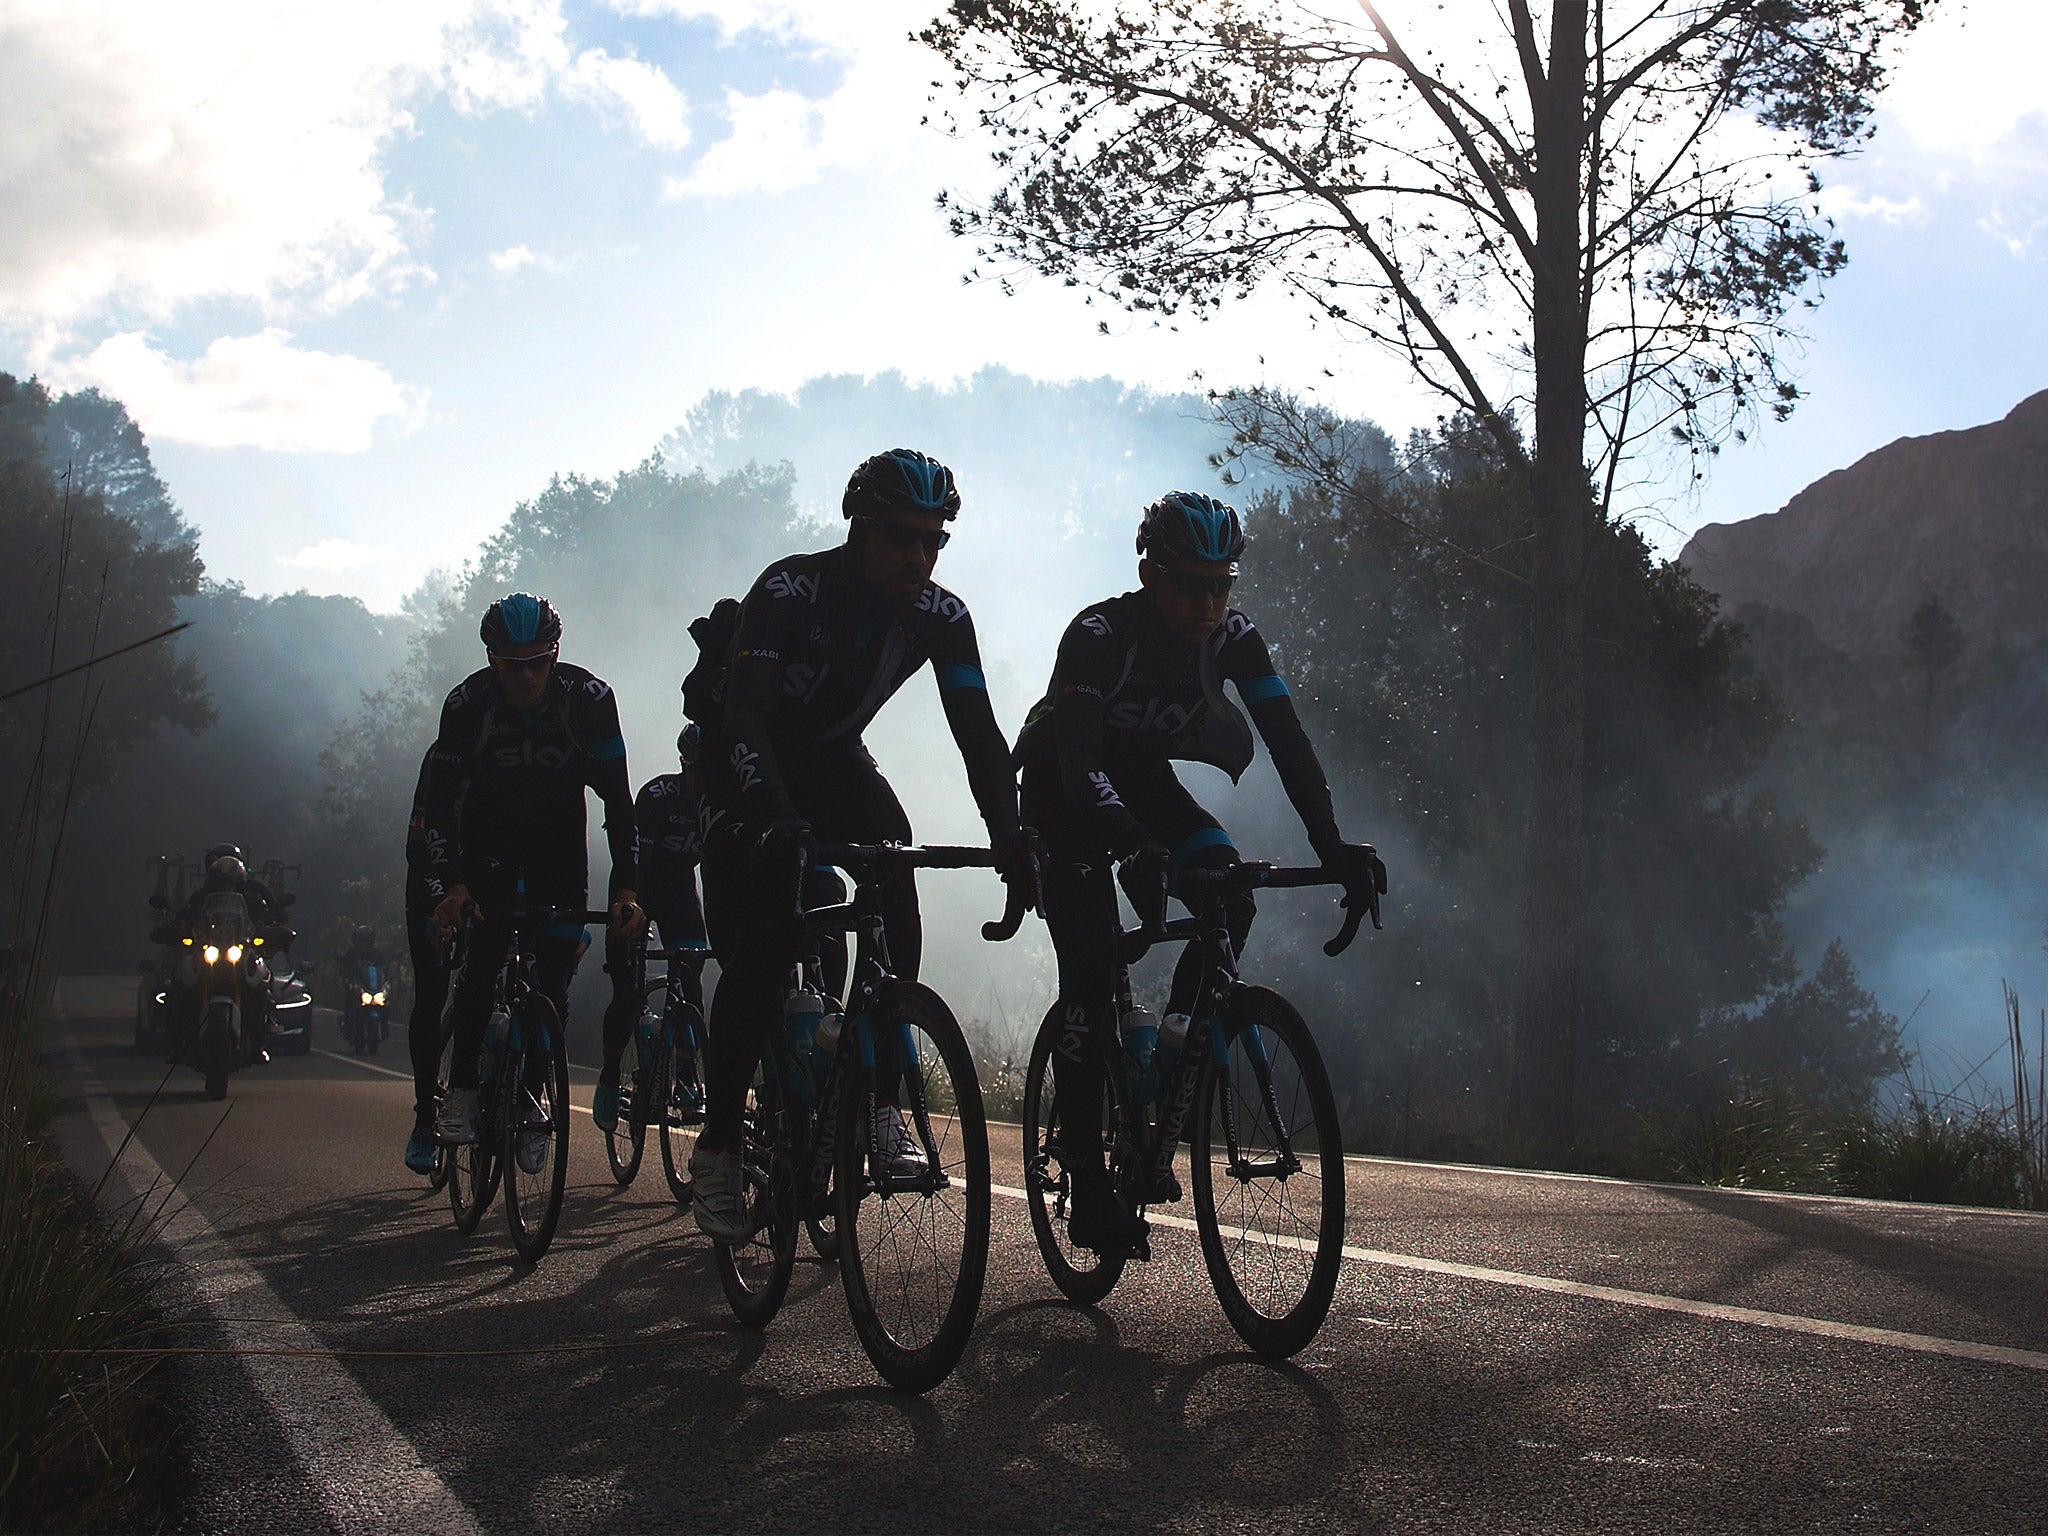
(1411, 669)
(1605, 211)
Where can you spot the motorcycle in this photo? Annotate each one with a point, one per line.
(291, 1007)
(226, 982)
(364, 1024)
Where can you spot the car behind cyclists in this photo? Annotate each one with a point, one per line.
(1137, 685)
(520, 740)
(823, 641)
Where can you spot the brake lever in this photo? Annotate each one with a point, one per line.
(1355, 913)
(1017, 903)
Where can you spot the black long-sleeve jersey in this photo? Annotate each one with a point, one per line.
(1125, 696)
(669, 846)
(816, 656)
(504, 785)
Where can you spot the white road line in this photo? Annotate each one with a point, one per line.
(366, 1474)
(352, 1061)
(1786, 1322)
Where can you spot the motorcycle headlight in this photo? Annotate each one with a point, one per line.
(367, 998)
(234, 954)
(211, 952)
(378, 999)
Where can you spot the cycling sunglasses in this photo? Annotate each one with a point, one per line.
(1188, 584)
(538, 663)
(903, 535)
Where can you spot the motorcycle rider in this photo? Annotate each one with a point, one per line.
(226, 871)
(362, 952)
(519, 742)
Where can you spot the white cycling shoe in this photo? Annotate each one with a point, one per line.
(455, 1125)
(718, 1195)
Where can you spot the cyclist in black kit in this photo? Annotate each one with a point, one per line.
(823, 642)
(1137, 684)
(424, 888)
(519, 742)
(668, 845)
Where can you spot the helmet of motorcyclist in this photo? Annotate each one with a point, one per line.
(221, 851)
(689, 742)
(363, 937)
(901, 480)
(228, 869)
(520, 618)
(1191, 526)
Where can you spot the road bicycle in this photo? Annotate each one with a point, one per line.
(522, 1116)
(911, 1234)
(662, 1086)
(1248, 1093)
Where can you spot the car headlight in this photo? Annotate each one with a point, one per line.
(378, 999)
(211, 952)
(234, 954)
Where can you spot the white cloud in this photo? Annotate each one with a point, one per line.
(248, 392)
(156, 156)
(1971, 74)
(512, 259)
(1840, 202)
(333, 557)
(646, 96)
(779, 140)
(773, 146)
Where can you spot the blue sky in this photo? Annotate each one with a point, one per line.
(368, 275)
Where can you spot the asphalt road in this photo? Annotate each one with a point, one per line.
(1507, 1352)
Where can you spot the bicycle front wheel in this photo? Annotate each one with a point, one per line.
(913, 1246)
(535, 1154)
(754, 1273)
(626, 1142)
(1268, 1166)
(1082, 1275)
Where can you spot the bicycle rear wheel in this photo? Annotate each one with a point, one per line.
(913, 1252)
(682, 1111)
(1082, 1275)
(1269, 1174)
(444, 1157)
(535, 1154)
(755, 1273)
(626, 1142)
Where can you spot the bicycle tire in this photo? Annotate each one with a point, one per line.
(1047, 1187)
(626, 1142)
(912, 1319)
(473, 1176)
(532, 1213)
(754, 1273)
(676, 1136)
(444, 1157)
(1275, 1285)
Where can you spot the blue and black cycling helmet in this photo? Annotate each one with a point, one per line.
(520, 619)
(1191, 526)
(689, 743)
(901, 480)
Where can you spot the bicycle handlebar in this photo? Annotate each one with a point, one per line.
(1251, 876)
(899, 856)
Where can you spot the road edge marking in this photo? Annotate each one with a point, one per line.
(363, 1470)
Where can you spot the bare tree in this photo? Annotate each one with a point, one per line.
(1598, 220)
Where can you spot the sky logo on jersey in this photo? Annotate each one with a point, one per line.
(1173, 719)
(943, 603)
(1236, 625)
(525, 754)
(1073, 1030)
(793, 584)
(1095, 624)
(745, 763)
(1105, 792)
(800, 680)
